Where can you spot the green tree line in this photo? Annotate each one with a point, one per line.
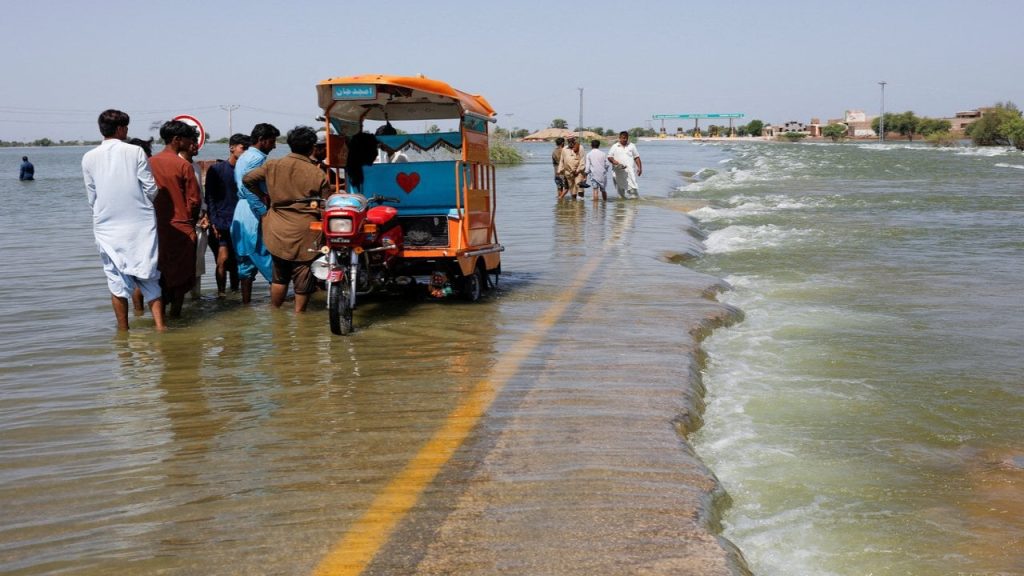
(1000, 125)
(910, 125)
(46, 142)
(753, 128)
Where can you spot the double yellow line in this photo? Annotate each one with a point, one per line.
(354, 552)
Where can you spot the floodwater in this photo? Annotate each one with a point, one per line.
(866, 416)
(859, 397)
(250, 441)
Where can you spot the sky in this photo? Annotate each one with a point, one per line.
(774, 60)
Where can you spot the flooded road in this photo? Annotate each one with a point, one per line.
(538, 431)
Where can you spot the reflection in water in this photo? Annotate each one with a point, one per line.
(244, 443)
(316, 421)
(245, 440)
(568, 229)
(261, 427)
(578, 226)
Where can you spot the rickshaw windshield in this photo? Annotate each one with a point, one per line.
(433, 123)
(354, 99)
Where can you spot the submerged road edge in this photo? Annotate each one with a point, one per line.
(356, 550)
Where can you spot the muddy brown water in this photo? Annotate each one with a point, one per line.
(248, 440)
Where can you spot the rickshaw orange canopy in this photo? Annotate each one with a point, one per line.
(399, 98)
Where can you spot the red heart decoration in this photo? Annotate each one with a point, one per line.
(408, 181)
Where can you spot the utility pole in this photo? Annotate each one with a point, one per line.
(881, 119)
(229, 108)
(509, 115)
(579, 128)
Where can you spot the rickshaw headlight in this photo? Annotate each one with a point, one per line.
(339, 225)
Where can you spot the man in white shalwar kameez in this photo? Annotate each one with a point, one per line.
(120, 189)
(626, 166)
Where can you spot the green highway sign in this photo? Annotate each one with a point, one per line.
(695, 116)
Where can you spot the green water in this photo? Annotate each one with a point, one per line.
(866, 417)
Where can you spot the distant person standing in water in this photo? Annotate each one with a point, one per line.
(626, 166)
(596, 169)
(121, 189)
(556, 157)
(28, 171)
(570, 167)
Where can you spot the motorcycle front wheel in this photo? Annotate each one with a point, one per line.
(339, 308)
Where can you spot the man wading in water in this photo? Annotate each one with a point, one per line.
(626, 166)
(120, 189)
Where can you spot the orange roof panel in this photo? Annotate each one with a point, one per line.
(397, 98)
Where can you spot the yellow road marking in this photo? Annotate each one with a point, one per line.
(352, 554)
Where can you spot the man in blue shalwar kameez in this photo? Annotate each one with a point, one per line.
(246, 233)
(120, 189)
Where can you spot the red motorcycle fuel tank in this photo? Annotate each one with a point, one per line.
(389, 232)
(382, 216)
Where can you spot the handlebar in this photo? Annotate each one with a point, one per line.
(316, 201)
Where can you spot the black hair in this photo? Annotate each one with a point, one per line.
(146, 145)
(362, 151)
(559, 141)
(386, 130)
(595, 143)
(24, 158)
(301, 140)
(173, 128)
(110, 121)
(263, 131)
(624, 133)
(239, 139)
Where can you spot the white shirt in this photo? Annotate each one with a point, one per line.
(597, 164)
(120, 189)
(624, 155)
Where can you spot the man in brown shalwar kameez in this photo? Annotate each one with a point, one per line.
(177, 209)
(570, 167)
(286, 232)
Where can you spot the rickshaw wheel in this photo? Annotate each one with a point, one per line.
(339, 310)
(473, 285)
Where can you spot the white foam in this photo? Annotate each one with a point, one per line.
(744, 206)
(739, 238)
(880, 147)
(985, 151)
(760, 164)
(1005, 165)
(969, 150)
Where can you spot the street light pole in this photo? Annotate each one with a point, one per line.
(229, 108)
(881, 119)
(579, 127)
(509, 116)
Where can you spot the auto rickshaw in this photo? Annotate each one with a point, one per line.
(444, 191)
